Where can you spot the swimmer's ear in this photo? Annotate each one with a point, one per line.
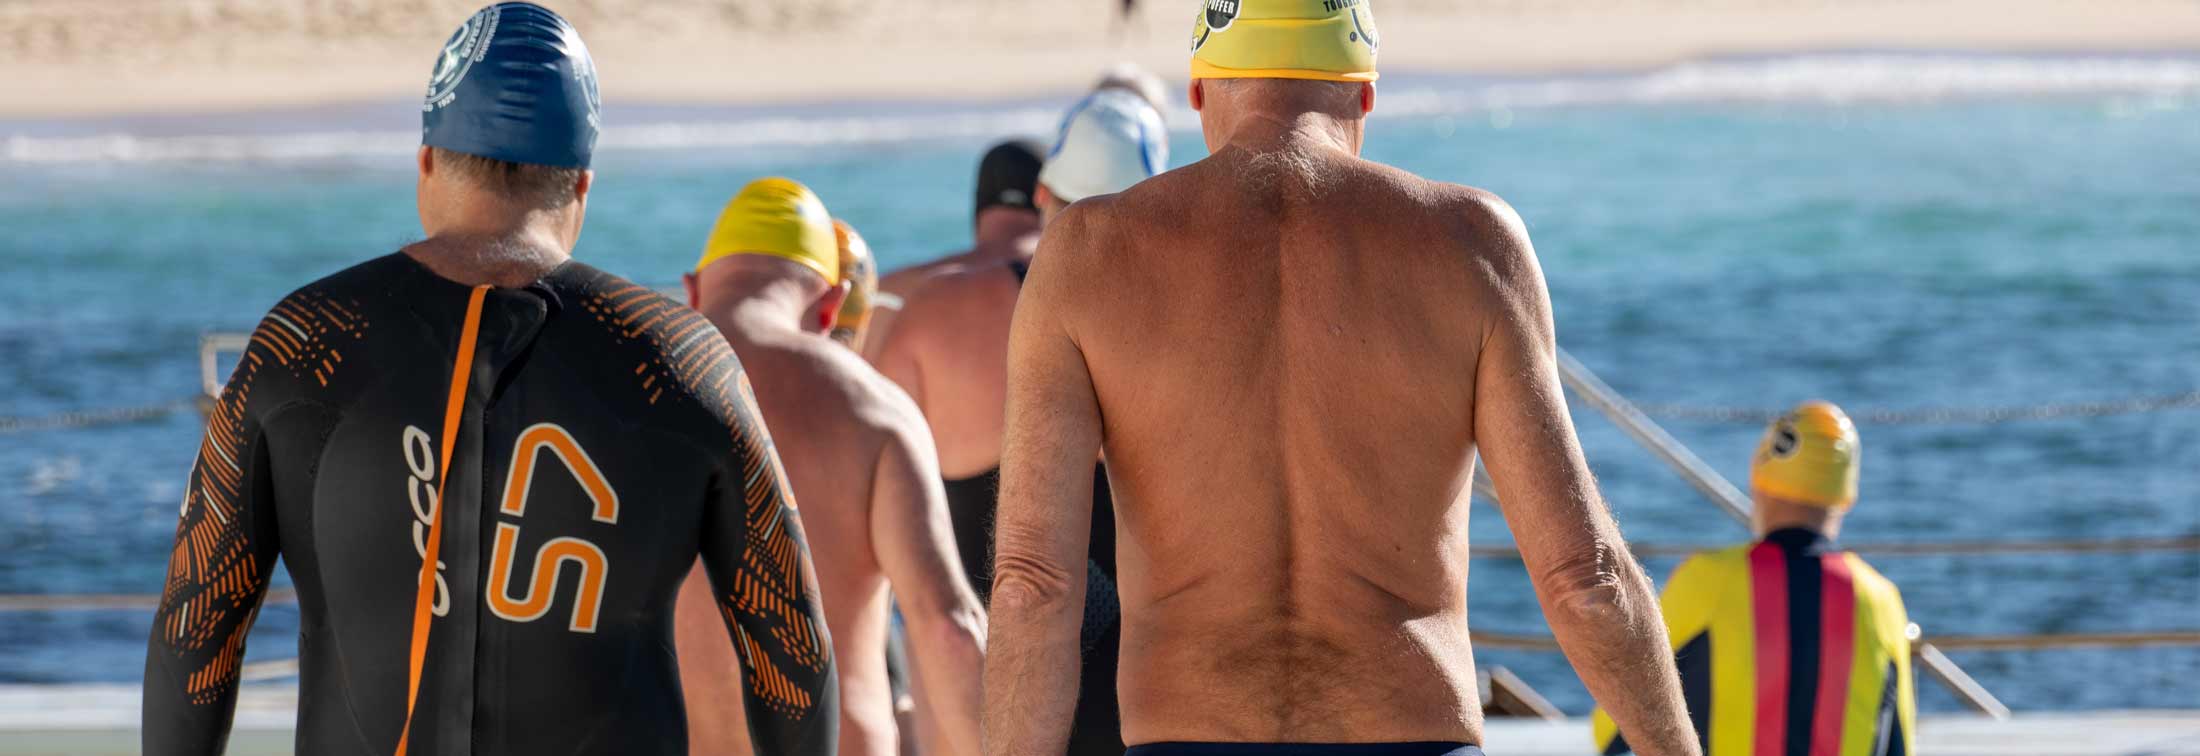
(1197, 93)
(695, 299)
(581, 185)
(426, 158)
(828, 305)
(1367, 97)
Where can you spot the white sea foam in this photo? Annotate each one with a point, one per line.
(1816, 79)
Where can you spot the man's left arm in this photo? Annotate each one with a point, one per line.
(1052, 436)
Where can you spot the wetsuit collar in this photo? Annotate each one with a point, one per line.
(1800, 540)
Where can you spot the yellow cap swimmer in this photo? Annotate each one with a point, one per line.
(857, 268)
(1809, 456)
(777, 217)
(1325, 40)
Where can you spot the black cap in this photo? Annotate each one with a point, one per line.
(1008, 175)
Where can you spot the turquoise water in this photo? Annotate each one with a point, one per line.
(1892, 253)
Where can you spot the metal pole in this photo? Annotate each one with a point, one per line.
(1959, 682)
(1707, 481)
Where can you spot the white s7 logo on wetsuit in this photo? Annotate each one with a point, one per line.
(550, 560)
(420, 461)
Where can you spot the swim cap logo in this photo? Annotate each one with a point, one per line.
(1362, 30)
(1216, 16)
(1221, 13)
(466, 47)
(1784, 440)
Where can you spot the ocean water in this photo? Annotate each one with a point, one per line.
(1889, 232)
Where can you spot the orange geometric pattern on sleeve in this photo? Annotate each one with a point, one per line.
(214, 577)
(769, 587)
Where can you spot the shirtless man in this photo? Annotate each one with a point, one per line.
(1006, 226)
(858, 452)
(1291, 357)
(487, 468)
(951, 353)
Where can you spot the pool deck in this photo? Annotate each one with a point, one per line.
(95, 720)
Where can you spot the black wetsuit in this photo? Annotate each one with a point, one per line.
(1098, 726)
(605, 436)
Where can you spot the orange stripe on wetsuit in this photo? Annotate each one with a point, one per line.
(462, 369)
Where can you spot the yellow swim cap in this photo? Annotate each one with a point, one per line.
(1325, 40)
(1809, 456)
(778, 217)
(857, 268)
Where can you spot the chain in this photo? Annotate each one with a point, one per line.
(93, 418)
(1937, 415)
(1680, 412)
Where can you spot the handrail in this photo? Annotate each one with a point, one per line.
(1717, 490)
(1598, 394)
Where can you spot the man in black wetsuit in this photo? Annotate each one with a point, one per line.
(950, 353)
(488, 468)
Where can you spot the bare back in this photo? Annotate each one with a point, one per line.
(1291, 471)
(853, 445)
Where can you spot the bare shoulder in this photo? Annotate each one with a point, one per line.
(1488, 232)
(915, 278)
(872, 411)
(871, 399)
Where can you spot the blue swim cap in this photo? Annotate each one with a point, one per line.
(515, 83)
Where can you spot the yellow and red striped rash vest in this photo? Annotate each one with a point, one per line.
(1788, 647)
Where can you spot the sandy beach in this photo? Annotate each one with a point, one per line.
(69, 57)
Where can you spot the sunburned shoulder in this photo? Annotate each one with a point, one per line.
(951, 296)
(914, 278)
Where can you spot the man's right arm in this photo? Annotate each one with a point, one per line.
(218, 573)
(915, 546)
(1596, 598)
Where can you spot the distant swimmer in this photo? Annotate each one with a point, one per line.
(1788, 645)
(1291, 357)
(860, 270)
(487, 468)
(951, 352)
(859, 456)
(1005, 225)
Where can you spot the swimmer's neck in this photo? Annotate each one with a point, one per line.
(509, 259)
(1770, 513)
(476, 238)
(1269, 131)
(1006, 233)
(755, 312)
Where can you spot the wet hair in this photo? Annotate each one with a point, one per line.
(536, 186)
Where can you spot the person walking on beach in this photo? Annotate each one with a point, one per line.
(1291, 357)
(488, 467)
(951, 352)
(1787, 644)
(860, 458)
